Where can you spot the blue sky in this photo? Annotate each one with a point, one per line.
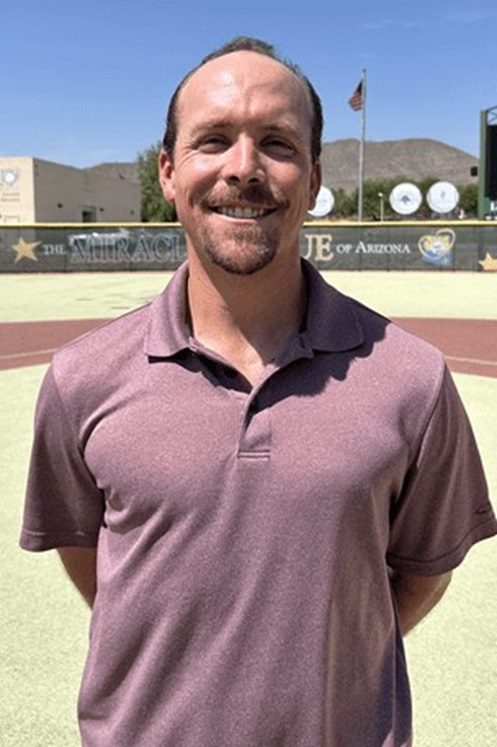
(86, 82)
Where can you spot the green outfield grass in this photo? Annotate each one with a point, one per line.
(89, 295)
(44, 625)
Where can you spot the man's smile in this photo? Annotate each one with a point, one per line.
(236, 211)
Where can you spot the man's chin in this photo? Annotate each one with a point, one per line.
(245, 266)
(242, 259)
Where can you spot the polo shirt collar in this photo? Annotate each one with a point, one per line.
(332, 323)
(168, 331)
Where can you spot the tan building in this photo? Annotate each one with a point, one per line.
(36, 191)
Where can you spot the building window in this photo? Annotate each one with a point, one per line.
(89, 215)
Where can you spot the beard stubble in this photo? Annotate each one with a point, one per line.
(244, 250)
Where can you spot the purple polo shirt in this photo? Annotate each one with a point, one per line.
(244, 535)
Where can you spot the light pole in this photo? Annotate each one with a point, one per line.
(382, 211)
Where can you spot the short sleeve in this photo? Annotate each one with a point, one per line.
(443, 507)
(63, 505)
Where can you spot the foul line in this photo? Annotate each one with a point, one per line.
(27, 355)
(478, 361)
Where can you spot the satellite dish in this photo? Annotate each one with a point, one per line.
(324, 203)
(442, 197)
(405, 198)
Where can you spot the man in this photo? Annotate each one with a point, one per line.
(273, 482)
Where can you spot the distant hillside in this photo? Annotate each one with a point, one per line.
(412, 158)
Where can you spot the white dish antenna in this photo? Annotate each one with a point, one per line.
(442, 197)
(324, 203)
(405, 198)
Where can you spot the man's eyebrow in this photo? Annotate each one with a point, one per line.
(285, 129)
(225, 124)
(212, 124)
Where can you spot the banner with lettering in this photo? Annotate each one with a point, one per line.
(334, 246)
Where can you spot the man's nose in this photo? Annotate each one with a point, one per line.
(243, 164)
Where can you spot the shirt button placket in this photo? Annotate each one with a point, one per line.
(255, 431)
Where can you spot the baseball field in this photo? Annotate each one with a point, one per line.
(44, 624)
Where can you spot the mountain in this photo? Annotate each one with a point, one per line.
(412, 159)
(400, 159)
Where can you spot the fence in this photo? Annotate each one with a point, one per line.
(401, 245)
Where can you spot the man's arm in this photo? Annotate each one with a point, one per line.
(416, 596)
(81, 566)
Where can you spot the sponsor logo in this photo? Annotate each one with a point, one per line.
(437, 248)
(9, 176)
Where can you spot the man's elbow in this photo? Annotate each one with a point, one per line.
(416, 596)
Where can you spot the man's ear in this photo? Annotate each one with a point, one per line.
(315, 184)
(166, 175)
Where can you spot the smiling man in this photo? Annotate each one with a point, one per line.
(258, 484)
(241, 172)
(241, 167)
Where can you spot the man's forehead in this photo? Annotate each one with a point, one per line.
(247, 67)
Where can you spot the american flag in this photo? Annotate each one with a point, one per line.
(356, 101)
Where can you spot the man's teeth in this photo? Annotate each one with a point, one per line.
(239, 212)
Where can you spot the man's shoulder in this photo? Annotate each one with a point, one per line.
(343, 323)
(397, 353)
(107, 346)
(374, 324)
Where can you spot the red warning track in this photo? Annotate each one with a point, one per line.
(30, 343)
(469, 345)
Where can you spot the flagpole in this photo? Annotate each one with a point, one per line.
(361, 148)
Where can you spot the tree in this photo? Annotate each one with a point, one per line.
(372, 200)
(153, 205)
(344, 204)
(468, 199)
(425, 212)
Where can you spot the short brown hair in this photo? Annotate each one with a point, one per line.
(247, 44)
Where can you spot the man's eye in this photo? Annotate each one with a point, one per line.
(212, 143)
(278, 146)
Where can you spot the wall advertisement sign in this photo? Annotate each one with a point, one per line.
(334, 246)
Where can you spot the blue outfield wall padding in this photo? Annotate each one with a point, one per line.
(433, 245)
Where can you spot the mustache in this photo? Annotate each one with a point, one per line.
(255, 195)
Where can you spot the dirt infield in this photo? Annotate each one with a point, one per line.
(469, 345)
(31, 343)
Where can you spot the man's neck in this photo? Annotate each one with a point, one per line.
(246, 319)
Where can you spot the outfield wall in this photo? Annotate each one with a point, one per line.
(402, 245)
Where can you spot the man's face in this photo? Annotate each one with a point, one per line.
(241, 175)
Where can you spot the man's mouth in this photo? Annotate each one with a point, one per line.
(242, 212)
